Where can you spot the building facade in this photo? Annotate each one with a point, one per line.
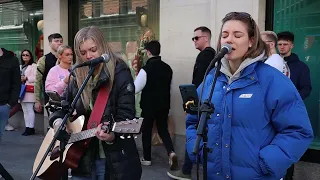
(126, 23)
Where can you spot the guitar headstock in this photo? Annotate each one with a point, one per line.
(128, 127)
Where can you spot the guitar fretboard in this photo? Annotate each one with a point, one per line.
(82, 135)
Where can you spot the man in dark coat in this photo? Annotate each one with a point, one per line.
(10, 85)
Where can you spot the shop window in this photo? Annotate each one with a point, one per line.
(127, 25)
(123, 21)
(18, 25)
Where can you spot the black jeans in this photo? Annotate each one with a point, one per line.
(161, 118)
(290, 172)
(4, 173)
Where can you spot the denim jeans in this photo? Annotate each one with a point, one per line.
(4, 116)
(97, 174)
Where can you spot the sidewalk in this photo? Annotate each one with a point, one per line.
(17, 154)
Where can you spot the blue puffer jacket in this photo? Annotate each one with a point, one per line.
(260, 126)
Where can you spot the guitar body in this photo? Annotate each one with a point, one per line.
(76, 146)
(72, 154)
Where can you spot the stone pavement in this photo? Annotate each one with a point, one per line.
(17, 154)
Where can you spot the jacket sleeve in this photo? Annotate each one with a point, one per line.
(191, 130)
(125, 99)
(16, 82)
(305, 82)
(38, 83)
(294, 132)
(53, 83)
(191, 136)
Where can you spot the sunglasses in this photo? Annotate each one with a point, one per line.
(241, 15)
(25, 55)
(196, 38)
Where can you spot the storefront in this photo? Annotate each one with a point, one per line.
(20, 27)
(127, 25)
(302, 18)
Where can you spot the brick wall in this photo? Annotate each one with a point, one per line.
(112, 6)
(87, 9)
(137, 3)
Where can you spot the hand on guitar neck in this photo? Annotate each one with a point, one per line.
(103, 135)
(102, 130)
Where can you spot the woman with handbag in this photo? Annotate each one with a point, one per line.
(28, 77)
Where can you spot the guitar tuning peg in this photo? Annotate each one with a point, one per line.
(135, 137)
(122, 137)
(129, 137)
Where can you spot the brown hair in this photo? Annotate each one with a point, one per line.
(258, 46)
(204, 29)
(286, 35)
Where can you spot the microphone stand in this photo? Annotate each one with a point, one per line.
(61, 134)
(206, 109)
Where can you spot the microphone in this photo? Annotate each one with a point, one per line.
(103, 59)
(225, 49)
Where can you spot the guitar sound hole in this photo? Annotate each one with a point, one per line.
(55, 153)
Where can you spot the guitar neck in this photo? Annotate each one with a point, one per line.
(82, 135)
(123, 127)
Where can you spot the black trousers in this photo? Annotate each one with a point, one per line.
(161, 118)
(4, 173)
(290, 172)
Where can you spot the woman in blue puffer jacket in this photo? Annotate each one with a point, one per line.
(260, 125)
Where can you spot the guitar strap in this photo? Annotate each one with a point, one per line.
(98, 109)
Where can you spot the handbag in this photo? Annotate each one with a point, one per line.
(22, 91)
(30, 88)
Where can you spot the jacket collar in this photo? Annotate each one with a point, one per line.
(247, 77)
(154, 59)
(7, 54)
(245, 68)
(104, 76)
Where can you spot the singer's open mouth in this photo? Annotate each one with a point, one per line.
(233, 49)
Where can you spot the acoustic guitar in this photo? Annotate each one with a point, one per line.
(76, 146)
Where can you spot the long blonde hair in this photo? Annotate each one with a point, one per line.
(96, 35)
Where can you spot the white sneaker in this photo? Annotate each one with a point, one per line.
(173, 161)
(145, 162)
(9, 127)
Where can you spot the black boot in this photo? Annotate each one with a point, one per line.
(31, 131)
(25, 132)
